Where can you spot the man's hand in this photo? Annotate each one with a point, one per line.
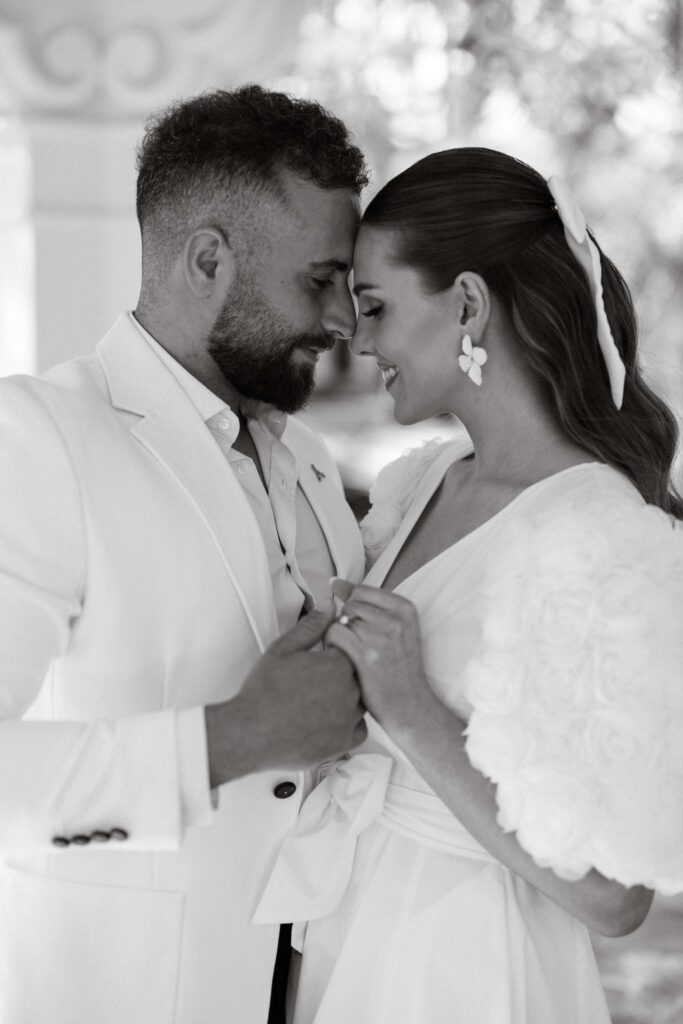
(297, 707)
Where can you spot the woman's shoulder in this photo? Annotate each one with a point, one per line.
(594, 508)
(585, 559)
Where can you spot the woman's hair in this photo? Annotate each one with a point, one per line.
(480, 210)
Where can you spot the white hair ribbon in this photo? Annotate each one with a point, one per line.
(586, 252)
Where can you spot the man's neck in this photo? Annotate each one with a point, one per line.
(196, 361)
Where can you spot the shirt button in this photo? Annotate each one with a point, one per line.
(223, 423)
(284, 789)
(242, 468)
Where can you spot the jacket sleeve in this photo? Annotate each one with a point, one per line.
(136, 775)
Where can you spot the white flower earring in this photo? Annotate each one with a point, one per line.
(472, 360)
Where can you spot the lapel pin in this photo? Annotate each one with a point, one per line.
(318, 472)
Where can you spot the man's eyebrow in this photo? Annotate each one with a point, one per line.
(362, 287)
(331, 264)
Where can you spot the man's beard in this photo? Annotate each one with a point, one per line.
(254, 351)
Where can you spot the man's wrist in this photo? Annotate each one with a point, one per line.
(230, 742)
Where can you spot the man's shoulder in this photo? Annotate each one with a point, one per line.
(62, 391)
(61, 400)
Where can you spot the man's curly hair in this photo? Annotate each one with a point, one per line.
(244, 136)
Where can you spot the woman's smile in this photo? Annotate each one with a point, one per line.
(389, 374)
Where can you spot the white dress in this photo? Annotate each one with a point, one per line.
(555, 630)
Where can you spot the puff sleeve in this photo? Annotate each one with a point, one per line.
(576, 689)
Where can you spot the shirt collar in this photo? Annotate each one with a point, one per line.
(267, 415)
(209, 405)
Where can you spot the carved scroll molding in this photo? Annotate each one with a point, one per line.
(126, 59)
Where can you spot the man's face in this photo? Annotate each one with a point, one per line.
(290, 299)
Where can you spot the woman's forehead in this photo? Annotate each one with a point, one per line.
(374, 246)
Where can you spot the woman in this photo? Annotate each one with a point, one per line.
(518, 637)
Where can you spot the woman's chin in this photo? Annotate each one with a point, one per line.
(405, 416)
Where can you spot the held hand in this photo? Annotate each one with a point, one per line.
(380, 632)
(297, 707)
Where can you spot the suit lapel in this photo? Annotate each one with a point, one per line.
(173, 432)
(334, 515)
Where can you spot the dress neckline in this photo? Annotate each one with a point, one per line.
(431, 481)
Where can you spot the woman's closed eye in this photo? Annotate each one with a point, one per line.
(373, 311)
(321, 282)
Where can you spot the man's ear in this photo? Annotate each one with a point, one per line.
(472, 303)
(208, 263)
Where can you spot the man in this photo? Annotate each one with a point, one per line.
(162, 521)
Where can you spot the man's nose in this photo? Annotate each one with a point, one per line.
(339, 316)
(360, 343)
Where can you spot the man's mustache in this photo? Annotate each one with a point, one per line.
(324, 342)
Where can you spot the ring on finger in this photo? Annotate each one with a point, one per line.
(346, 620)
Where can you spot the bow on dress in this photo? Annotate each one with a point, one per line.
(315, 861)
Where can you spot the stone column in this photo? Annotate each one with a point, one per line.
(77, 82)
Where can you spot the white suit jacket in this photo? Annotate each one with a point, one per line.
(133, 582)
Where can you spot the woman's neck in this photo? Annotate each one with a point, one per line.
(521, 443)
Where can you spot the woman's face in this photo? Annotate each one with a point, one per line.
(411, 335)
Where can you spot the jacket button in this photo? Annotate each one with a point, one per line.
(80, 840)
(284, 789)
(60, 841)
(118, 833)
(99, 836)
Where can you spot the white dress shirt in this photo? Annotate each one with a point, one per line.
(300, 561)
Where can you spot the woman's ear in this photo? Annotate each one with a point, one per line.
(472, 303)
(208, 263)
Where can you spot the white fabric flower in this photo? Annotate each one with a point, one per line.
(392, 493)
(472, 360)
(379, 526)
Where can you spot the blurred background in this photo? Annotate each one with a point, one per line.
(589, 89)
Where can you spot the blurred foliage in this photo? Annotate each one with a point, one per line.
(590, 89)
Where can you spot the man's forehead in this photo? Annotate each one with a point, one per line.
(319, 225)
(307, 198)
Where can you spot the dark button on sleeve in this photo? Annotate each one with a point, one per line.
(284, 789)
(118, 833)
(80, 840)
(99, 836)
(60, 841)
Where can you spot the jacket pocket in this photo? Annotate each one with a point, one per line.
(78, 954)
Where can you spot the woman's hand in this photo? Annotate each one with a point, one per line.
(380, 633)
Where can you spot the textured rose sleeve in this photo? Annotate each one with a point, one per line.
(577, 691)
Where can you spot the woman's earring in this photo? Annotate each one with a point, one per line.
(472, 360)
